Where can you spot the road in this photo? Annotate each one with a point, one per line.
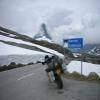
(30, 83)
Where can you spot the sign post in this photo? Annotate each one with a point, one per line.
(81, 66)
(75, 44)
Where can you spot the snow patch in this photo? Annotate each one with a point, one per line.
(87, 67)
(44, 39)
(32, 44)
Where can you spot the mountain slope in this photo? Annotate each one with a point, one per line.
(92, 49)
(6, 32)
(43, 34)
(95, 51)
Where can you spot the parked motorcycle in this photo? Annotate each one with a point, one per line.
(55, 74)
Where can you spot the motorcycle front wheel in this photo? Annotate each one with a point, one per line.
(59, 82)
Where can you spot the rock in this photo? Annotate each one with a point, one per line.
(75, 74)
(4, 66)
(93, 76)
(20, 65)
(12, 64)
(66, 72)
(38, 62)
(31, 63)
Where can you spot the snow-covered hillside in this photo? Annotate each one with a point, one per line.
(87, 67)
(31, 44)
(44, 38)
(95, 51)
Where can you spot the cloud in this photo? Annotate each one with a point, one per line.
(59, 17)
(91, 28)
(63, 18)
(87, 27)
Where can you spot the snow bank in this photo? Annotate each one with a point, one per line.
(86, 69)
(32, 44)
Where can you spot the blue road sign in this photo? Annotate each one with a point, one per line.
(75, 43)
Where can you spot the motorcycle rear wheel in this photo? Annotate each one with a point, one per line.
(59, 82)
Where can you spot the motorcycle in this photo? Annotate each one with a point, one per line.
(55, 75)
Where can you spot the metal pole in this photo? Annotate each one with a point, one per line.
(81, 66)
(64, 48)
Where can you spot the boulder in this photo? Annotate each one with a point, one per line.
(76, 74)
(12, 64)
(93, 76)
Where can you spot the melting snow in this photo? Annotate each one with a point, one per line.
(87, 67)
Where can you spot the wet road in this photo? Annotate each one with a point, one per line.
(31, 83)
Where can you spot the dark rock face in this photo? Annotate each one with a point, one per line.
(43, 33)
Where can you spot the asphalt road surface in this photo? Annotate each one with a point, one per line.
(31, 83)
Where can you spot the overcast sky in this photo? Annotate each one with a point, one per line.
(62, 17)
